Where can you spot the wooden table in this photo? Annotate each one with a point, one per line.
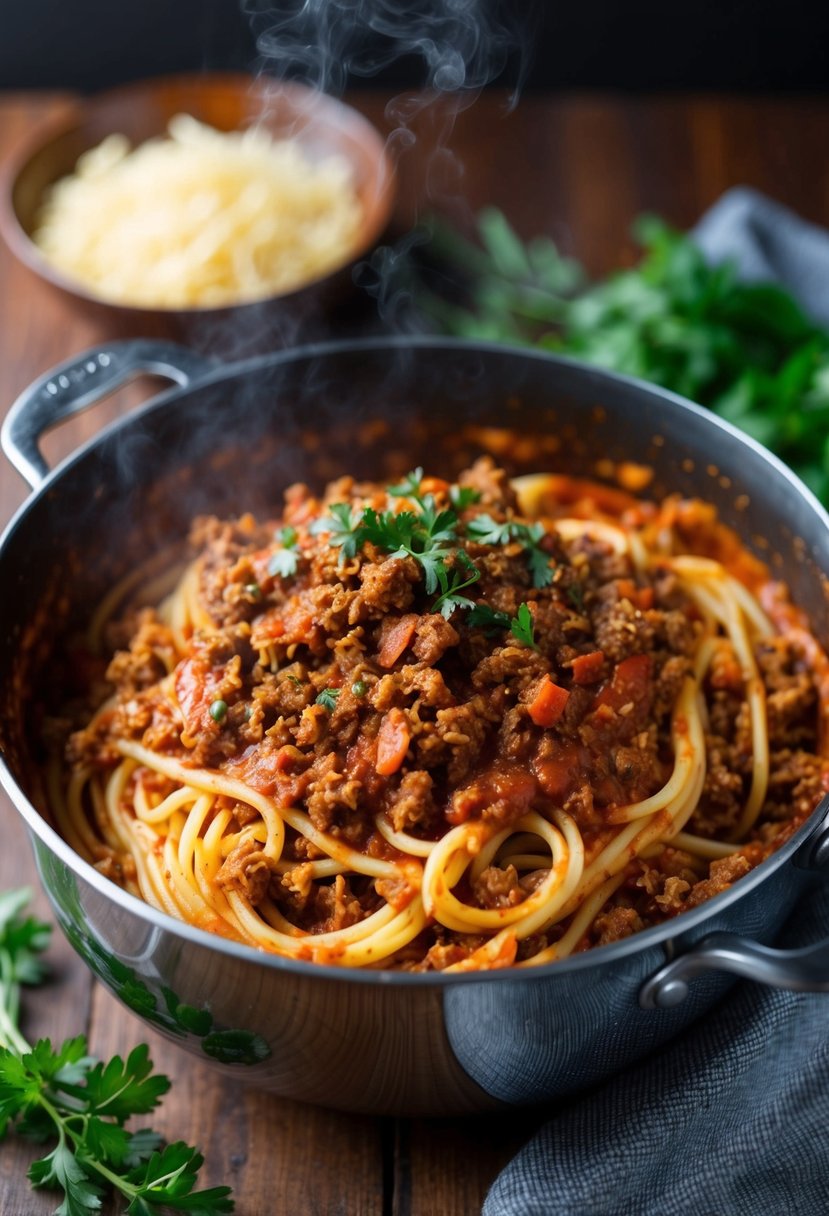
(579, 169)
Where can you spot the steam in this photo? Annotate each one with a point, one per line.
(448, 51)
(463, 45)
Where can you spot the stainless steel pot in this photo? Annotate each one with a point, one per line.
(229, 438)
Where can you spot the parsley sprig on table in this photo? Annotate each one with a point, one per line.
(745, 350)
(62, 1094)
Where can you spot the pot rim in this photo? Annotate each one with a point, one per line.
(637, 942)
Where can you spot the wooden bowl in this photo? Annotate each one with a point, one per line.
(228, 102)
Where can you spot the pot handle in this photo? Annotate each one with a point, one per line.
(82, 381)
(802, 970)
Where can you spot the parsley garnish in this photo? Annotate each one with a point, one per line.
(462, 497)
(425, 535)
(409, 487)
(328, 698)
(575, 594)
(428, 534)
(488, 531)
(450, 585)
(343, 525)
(522, 627)
(492, 621)
(285, 561)
(49, 1093)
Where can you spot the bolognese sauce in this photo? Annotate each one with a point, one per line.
(438, 725)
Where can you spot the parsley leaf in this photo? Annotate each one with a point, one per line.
(488, 531)
(409, 487)
(64, 1095)
(522, 627)
(121, 1088)
(450, 585)
(168, 1178)
(490, 620)
(286, 560)
(62, 1169)
(343, 528)
(462, 497)
(328, 698)
(283, 563)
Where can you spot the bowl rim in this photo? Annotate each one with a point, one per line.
(75, 108)
(636, 943)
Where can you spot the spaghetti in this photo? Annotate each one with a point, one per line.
(435, 726)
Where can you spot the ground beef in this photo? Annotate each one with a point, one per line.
(248, 870)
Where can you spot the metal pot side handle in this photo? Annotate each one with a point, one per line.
(82, 381)
(802, 970)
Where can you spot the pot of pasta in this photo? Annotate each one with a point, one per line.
(412, 725)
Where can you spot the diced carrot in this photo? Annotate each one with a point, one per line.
(393, 742)
(640, 597)
(548, 704)
(395, 639)
(587, 668)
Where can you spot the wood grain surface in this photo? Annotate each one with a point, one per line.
(579, 169)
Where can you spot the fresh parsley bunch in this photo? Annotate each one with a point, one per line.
(64, 1096)
(745, 350)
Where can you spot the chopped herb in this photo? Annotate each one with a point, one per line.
(488, 531)
(359, 688)
(522, 627)
(253, 590)
(344, 528)
(328, 698)
(63, 1094)
(451, 585)
(248, 713)
(409, 487)
(538, 564)
(490, 620)
(462, 497)
(218, 710)
(287, 537)
(283, 563)
(575, 594)
(295, 680)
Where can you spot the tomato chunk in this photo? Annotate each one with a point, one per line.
(587, 668)
(630, 682)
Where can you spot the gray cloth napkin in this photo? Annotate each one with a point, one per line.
(732, 1119)
(770, 244)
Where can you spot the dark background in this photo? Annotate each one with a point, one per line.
(631, 45)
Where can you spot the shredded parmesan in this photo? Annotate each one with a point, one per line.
(199, 218)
